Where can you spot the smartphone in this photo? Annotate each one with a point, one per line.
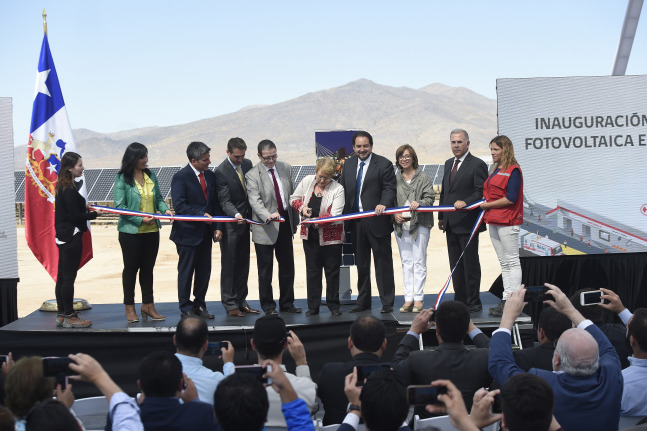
(55, 366)
(364, 371)
(591, 298)
(536, 294)
(424, 394)
(255, 370)
(214, 348)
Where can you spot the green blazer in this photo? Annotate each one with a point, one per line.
(128, 197)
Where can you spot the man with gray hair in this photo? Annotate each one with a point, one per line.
(587, 377)
(462, 185)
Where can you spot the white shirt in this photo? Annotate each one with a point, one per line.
(205, 379)
(303, 385)
(359, 164)
(460, 161)
(278, 181)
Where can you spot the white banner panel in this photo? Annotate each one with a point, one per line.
(582, 146)
(8, 234)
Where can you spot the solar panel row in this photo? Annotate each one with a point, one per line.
(99, 182)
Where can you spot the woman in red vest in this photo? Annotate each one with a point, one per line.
(503, 191)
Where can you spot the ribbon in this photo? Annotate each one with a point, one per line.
(222, 219)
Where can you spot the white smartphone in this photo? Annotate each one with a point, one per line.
(591, 298)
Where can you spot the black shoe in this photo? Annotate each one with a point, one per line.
(203, 313)
(475, 308)
(358, 309)
(292, 309)
(312, 313)
(186, 314)
(271, 312)
(335, 313)
(385, 310)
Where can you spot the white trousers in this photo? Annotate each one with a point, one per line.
(413, 254)
(505, 240)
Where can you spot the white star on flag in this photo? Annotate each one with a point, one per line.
(41, 87)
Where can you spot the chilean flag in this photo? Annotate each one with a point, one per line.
(49, 138)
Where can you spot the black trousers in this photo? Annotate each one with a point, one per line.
(139, 251)
(69, 259)
(328, 259)
(265, 262)
(194, 264)
(467, 276)
(234, 270)
(365, 242)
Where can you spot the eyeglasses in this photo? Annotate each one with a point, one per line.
(270, 158)
(405, 157)
(326, 179)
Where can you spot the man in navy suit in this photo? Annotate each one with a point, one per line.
(369, 184)
(587, 377)
(462, 185)
(234, 246)
(193, 190)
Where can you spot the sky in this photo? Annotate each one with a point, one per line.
(131, 64)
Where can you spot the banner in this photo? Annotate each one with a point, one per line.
(49, 138)
(581, 143)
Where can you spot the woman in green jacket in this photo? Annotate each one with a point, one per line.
(136, 189)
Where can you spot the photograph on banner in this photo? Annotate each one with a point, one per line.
(337, 144)
(581, 143)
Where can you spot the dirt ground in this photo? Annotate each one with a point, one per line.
(99, 281)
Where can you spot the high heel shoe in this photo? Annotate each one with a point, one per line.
(150, 311)
(406, 308)
(131, 314)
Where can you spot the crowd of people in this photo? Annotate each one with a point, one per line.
(572, 380)
(266, 193)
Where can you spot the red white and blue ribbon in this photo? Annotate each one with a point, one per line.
(389, 211)
(221, 219)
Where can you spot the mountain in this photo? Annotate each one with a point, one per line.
(394, 116)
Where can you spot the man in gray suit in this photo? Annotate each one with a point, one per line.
(269, 186)
(234, 245)
(462, 185)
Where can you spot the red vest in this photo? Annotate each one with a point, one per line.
(496, 187)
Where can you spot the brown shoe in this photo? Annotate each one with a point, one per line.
(75, 321)
(131, 314)
(249, 310)
(150, 311)
(235, 312)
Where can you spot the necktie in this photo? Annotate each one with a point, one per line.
(279, 201)
(358, 186)
(240, 177)
(203, 184)
(454, 170)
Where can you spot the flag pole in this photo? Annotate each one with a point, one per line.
(45, 20)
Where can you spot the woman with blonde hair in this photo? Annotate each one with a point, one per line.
(320, 196)
(414, 188)
(503, 191)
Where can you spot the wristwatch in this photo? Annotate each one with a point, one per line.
(352, 407)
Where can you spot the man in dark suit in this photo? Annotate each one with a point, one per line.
(269, 186)
(462, 185)
(550, 327)
(193, 190)
(466, 368)
(234, 245)
(369, 184)
(587, 381)
(366, 344)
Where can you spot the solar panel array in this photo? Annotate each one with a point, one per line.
(99, 182)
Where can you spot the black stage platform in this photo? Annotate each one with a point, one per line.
(119, 346)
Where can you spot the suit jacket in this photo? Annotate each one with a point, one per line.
(262, 199)
(466, 368)
(168, 414)
(232, 196)
(589, 403)
(70, 213)
(467, 186)
(127, 196)
(188, 199)
(331, 386)
(378, 188)
(536, 357)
